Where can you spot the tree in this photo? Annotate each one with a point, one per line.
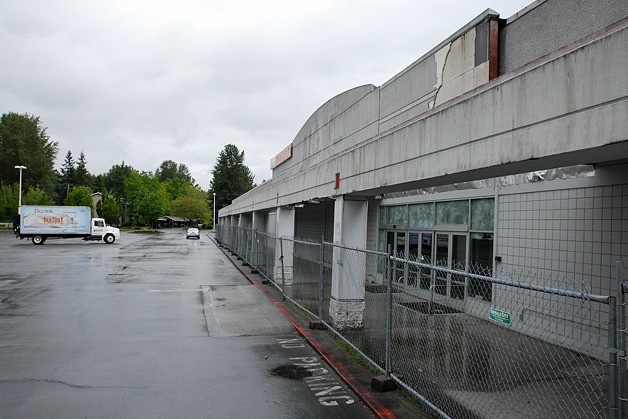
(115, 180)
(146, 199)
(192, 205)
(97, 183)
(175, 188)
(80, 196)
(67, 176)
(81, 175)
(170, 170)
(8, 202)
(24, 142)
(108, 208)
(36, 196)
(231, 178)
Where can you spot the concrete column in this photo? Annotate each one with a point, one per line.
(258, 226)
(346, 306)
(259, 221)
(285, 228)
(246, 236)
(246, 220)
(232, 222)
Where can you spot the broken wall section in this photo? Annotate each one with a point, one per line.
(466, 60)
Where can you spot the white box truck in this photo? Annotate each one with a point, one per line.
(39, 222)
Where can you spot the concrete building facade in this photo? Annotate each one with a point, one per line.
(505, 147)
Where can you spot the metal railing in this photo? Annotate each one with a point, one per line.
(463, 340)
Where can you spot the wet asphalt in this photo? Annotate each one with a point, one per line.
(153, 326)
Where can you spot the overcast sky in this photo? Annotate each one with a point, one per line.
(143, 81)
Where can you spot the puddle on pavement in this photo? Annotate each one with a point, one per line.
(291, 371)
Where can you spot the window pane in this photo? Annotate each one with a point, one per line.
(426, 257)
(382, 215)
(421, 215)
(481, 264)
(458, 262)
(482, 214)
(452, 212)
(397, 214)
(382, 240)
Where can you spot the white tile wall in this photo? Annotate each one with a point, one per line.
(572, 234)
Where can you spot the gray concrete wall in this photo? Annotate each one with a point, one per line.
(572, 108)
(340, 117)
(356, 115)
(549, 25)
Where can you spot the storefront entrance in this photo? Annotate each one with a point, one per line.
(443, 249)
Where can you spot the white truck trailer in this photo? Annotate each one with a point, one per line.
(39, 222)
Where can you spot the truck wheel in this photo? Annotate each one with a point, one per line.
(38, 239)
(109, 239)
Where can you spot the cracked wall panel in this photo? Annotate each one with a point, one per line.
(459, 72)
(461, 58)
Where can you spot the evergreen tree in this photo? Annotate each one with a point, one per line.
(115, 180)
(171, 170)
(24, 142)
(81, 175)
(67, 176)
(231, 178)
(97, 183)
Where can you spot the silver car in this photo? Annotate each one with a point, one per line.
(193, 233)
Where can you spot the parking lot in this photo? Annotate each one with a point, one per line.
(154, 325)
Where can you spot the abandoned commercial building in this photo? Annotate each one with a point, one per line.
(504, 148)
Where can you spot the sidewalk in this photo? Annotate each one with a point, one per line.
(395, 403)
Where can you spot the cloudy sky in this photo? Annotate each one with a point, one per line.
(143, 81)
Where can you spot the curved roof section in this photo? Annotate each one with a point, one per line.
(331, 109)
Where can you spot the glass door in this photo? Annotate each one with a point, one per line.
(441, 259)
(398, 245)
(413, 256)
(419, 249)
(425, 281)
(459, 263)
(450, 253)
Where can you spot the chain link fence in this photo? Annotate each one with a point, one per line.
(467, 342)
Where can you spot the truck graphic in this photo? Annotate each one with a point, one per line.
(49, 220)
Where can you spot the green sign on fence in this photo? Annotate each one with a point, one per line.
(499, 316)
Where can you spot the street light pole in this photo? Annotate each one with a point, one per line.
(19, 198)
(214, 214)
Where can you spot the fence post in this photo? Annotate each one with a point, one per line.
(249, 246)
(621, 340)
(254, 249)
(283, 273)
(246, 244)
(612, 349)
(389, 312)
(320, 280)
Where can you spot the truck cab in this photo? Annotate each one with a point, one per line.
(101, 231)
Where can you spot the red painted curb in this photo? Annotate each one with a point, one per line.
(358, 388)
(363, 393)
